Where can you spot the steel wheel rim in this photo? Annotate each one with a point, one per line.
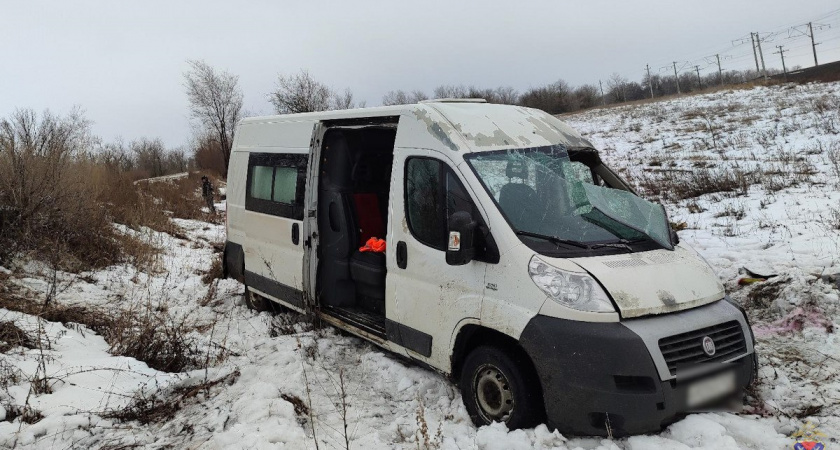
(493, 394)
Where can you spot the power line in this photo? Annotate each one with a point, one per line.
(733, 51)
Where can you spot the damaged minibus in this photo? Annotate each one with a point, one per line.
(514, 261)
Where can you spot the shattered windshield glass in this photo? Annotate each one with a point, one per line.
(542, 193)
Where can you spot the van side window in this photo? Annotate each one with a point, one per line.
(425, 201)
(433, 192)
(276, 184)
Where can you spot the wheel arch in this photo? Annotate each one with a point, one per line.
(472, 335)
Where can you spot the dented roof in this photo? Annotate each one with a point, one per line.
(466, 126)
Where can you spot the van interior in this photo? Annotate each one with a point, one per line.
(353, 192)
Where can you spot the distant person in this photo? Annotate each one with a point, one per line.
(207, 193)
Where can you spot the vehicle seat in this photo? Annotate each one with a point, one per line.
(366, 201)
(368, 268)
(518, 200)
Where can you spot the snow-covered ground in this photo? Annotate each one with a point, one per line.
(278, 376)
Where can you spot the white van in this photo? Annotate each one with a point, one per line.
(516, 261)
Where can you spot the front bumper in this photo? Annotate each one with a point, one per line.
(597, 376)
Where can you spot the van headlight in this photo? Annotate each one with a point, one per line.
(574, 290)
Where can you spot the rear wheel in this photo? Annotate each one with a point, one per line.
(259, 303)
(498, 386)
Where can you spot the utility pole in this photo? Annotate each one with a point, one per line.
(699, 80)
(755, 55)
(650, 81)
(603, 99)
(813, 44)
(761, 55)
(782, 53)
(677, 78)
(720, 71)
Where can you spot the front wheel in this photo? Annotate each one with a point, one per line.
(499, 386)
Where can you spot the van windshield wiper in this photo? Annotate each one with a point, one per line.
(554, 239)
(621, 243)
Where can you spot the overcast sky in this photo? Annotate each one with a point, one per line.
(123, 62)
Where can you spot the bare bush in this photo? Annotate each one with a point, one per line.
(207, 155)
(587, 96)
(162, 406)
(150, 155)
(832, 218)
(12, 336)
(833, 155)
(215, 272)
(147, 332)
(680, 185)
(48, 192)
(180, 197)
(554, 98)
(26, 414)
(157, 338)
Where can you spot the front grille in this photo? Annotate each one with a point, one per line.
(686, 349)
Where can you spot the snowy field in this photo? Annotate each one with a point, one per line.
(257, 381)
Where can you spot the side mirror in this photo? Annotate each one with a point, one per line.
(460, 248)
(675, 239)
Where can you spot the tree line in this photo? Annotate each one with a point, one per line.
(216, 105)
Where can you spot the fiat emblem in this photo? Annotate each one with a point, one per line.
(709, 346)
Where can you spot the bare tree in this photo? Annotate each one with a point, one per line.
(116, 156)
(451, 91)
(343, 101)
(401, 97)
(418, 96)
(177, 160)
(216, 102)
(506, 95)
(300, 93)
(150, 155)
(587, 96)
(554, 98)
(618, 88)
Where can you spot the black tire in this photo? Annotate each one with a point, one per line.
(499, 385)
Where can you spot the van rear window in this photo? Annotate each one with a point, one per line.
(276, 184)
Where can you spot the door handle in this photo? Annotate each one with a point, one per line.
(295, 234)
(402, 255)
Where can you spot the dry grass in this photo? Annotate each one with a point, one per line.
(674, 185)
(148, 333)
(58, 203)
(11, 336)
(162, 407)
(152, 335)
(26, 414)
(215, 272)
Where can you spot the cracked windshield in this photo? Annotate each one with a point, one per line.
(542, 192)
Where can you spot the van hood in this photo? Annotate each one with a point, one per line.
(655, 282)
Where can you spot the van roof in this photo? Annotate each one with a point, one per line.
(467, 126)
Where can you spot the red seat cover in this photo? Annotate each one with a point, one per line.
(369, 217)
